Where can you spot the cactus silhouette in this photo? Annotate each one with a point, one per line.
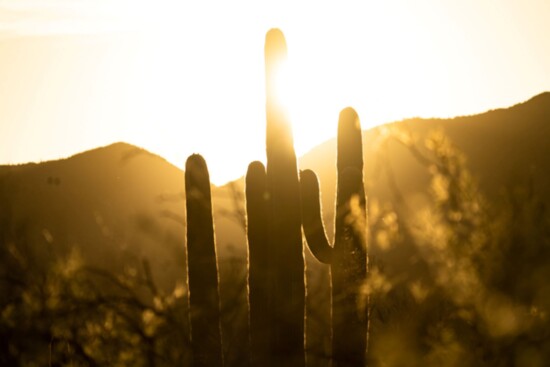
(258, 260)
(204, 299)
(274, 233)
(347, 258)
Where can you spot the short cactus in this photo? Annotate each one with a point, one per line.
(347, 258)
(258, 260)
(204, 299)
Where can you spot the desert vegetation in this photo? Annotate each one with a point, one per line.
(451, 276)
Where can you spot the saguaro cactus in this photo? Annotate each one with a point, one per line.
(347, 258)
(204, 299)
(276, 250)
(256, 208)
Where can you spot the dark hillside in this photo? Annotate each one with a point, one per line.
(110, 203)
(502, 148)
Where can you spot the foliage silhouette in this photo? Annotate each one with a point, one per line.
(435, 280)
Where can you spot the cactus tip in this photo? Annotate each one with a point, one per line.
(195, 159)
(275, 35)
(308, 175)
(196, 170)
(275, 45)
(256, 166)
(349, 127)
(349, 114)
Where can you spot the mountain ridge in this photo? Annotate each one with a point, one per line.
(131, 149)
(121, 201)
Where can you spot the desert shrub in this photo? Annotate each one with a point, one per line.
(459, 280)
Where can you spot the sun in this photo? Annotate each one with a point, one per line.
(307, 99)
(178, 78)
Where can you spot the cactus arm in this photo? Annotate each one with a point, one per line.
(350, 221)
(258, 260)
(350, 141)
(204, 300)
(349, 267)
(256, 208)
(312, 221)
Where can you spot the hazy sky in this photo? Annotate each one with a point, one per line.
(177, 78)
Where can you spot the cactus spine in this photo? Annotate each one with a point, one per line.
(347, 258)
(204, 299)
(279, 242)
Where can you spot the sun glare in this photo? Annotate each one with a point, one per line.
(302, 100)
(308, 102)
(282, 86)
(182, 78)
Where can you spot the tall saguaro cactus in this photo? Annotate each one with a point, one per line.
(347, 257)
(204, 299)
(279, 244)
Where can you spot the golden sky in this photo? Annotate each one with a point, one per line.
(177, 78)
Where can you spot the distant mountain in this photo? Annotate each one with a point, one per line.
(503, 148)
(114, 202)
(121, 202)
